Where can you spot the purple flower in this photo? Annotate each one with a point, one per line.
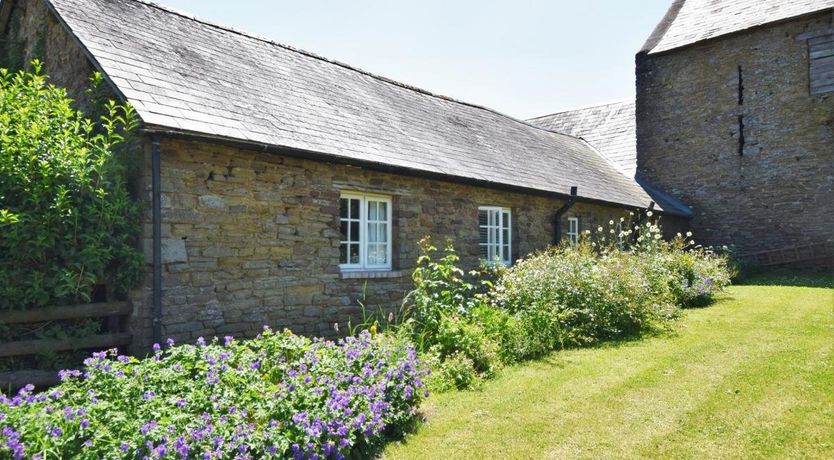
(227, 340)
(56, 432)
(201, 341)
(170, 342)
(156, 348)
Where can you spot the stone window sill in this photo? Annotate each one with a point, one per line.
(360, 274)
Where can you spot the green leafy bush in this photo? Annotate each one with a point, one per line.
(572, 296)
(276, 396)
(604, 288)
(453, 372)
(440, 289)
(67, 221)
(689, 273)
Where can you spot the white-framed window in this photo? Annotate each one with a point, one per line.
(573, 230)
(365, 226)
(495, 225)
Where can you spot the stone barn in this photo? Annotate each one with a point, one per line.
(734, 116)
(282, 188)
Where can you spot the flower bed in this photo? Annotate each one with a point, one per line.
(609, 286)
(276, 396)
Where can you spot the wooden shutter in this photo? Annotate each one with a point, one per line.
(821, 64)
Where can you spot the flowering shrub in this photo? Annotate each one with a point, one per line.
(571, 296)
(691, 274)
(275, 396)
(613, 284)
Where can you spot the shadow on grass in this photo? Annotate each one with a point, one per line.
(787, 278)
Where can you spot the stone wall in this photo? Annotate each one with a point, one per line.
(33, 32)
(253, 238)
(778, 191)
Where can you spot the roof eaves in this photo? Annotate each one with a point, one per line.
(377, 166)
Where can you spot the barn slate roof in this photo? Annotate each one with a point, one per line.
(611, 128)
(691, 21)
(190, 76)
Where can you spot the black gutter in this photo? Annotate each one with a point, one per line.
(557, 219)
(373, 166)
(156, 311)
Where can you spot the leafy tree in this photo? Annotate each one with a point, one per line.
(67, 220)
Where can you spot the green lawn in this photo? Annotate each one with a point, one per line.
(751, 376)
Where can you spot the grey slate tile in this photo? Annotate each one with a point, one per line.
(210, 79)
(691, 21)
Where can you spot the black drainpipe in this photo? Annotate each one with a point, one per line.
(557, 219)
(157, 240)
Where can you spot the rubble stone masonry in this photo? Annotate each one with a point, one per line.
(770, 189)
(252, 238)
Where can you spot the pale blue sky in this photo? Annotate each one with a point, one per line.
(524, 58)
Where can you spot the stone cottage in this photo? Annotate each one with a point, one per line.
(283, 188)
(734, 116)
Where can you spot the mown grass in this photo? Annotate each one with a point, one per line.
(751, 376)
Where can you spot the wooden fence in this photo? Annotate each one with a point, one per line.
(111, 312)
(789, 255)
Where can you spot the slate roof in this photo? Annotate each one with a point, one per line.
(610, 128)
(692, 21)
(185, 74)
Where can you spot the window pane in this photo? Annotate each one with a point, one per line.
(506, 222)
(383, 233)
(484, 235)
(372, 233)
(354, 253)
(483, 218)
(343, 211)
(383, 211)
(343, 248)
(377, 254)
(354, 231)
(505, 235)
(372, 210)
(343, 229)
(506, 256)
(354, 209)
(484, 252)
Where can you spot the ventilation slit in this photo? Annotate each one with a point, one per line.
(741, 134)
(740, 87)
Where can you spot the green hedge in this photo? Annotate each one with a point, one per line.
(67, 221)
